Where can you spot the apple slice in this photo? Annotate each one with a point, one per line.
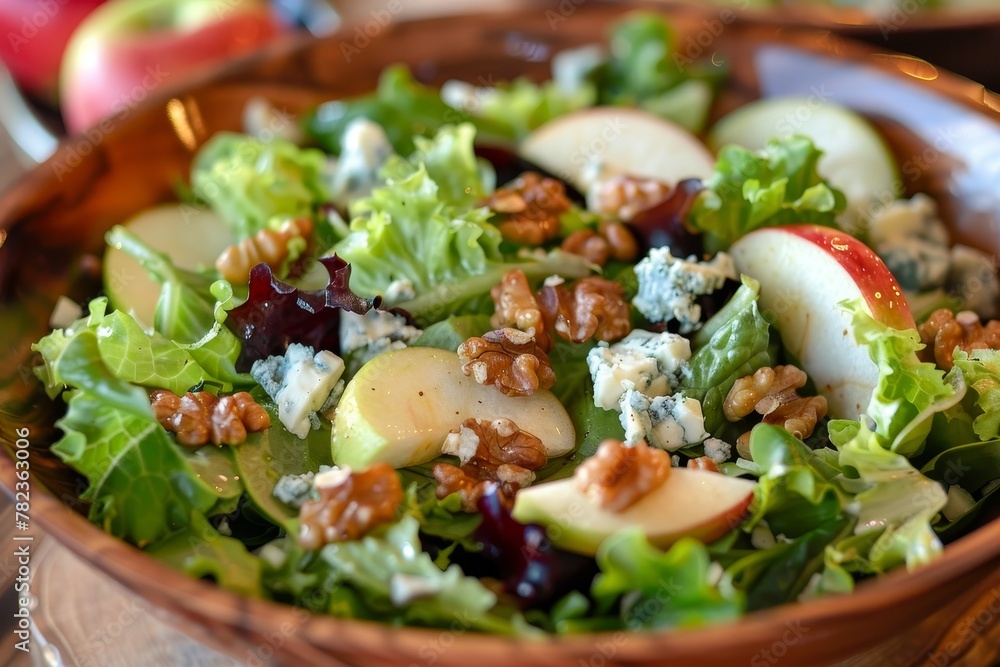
(401, 405)
(622, 140)
(193, 238)
(691, 503)
(805, 271)
(855, 158)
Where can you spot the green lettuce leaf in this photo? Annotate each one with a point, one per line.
(971, 467)
(907, 394)
(451, 163)
(404, 108)
(521, 105)
(200, 551)
(661, 589)
(777, 186)
(737, 347)
(141, 488)
(107, 354)
(249, 182)
(981, 371)
(406, 231)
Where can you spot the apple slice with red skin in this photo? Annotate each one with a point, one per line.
(805, 273)
(126, 49)
(690, 503)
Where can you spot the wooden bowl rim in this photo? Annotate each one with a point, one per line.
(143, 575)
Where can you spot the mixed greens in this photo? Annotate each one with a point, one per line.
(407, 251)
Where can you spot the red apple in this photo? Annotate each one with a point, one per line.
(127, 48)
(35, 33)
(805, 272)
(691, 503)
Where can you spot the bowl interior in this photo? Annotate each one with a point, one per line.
(944, 132)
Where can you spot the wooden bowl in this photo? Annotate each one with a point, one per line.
(945, 133)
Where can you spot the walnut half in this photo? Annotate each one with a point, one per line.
(773, 393)
(944, 332)
(490, 452)
(618, 476)
(351, 506)
(592, 308)
(198, 418)
(509, 359)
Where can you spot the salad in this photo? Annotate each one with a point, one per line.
(537, 358)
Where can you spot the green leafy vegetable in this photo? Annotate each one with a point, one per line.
(777, 186)
(249, 182)
(448, 334)
(141, 488)
(907, 393)
(200, 551)
(451, 163)
(971, 467)
(521, 105)
(981, 371)
(404, 108)
(664, 589)
(738, 347)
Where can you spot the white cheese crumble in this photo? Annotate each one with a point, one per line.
(399, 291)
(912, 241)
(366, 336)
(301, 383)
(364, 149)
(665, 422)
(718, 450)
(294, 490)
(958, 504)
(669, 286)
(647, 362)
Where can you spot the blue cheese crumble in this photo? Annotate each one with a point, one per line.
(669, 286)
(364, 337)
(301, 383)
(973, 277)
(647, 362)
(295, 490)
(666, 422)
(364, 149)
(912, 241)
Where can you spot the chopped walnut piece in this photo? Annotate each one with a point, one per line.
(351, 506)
(269, 246)
(516, 307)
(593, 307)
(703, 463)
(763, 391)
(623, 196)
(773, 393)
(200, 417)
(945, 331)
(490, 452)
(532, 204)
(618, 476)
(612, 240)
(798, 416)
(509, 359)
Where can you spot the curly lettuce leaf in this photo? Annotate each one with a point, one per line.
(407, 230)
(738, 346)
(141, 488)
(971, 467)
(249, 182)
(907, 393)
(981, 372)
(451, 163)
(659, 589)
(777, 186)
(521, 105)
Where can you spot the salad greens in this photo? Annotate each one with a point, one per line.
(850, 499)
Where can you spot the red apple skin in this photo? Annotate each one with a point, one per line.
(34, 36)
(881, 290)
(120, 71)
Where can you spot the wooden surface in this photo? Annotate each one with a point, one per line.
(926, 614)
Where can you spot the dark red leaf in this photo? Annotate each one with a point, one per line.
(277, 314)
(663, 224)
